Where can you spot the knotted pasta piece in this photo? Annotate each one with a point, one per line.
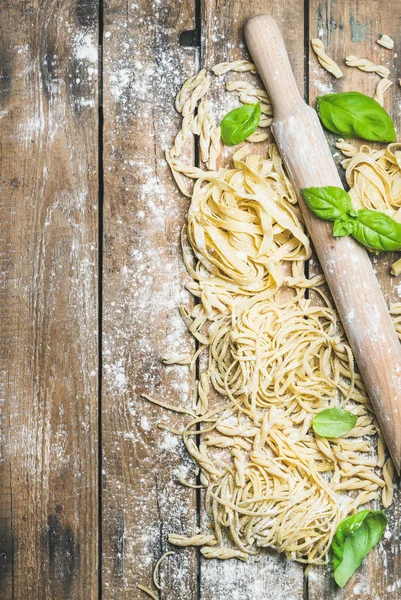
(325, 60)
(187, 88)
(177, 359)
(363, 64)
(195, 540)
(388, 474)
(240, 66)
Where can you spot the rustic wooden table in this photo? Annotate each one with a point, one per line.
(91, 276)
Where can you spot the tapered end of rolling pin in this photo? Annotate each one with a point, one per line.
(346, 265)
(266, 45)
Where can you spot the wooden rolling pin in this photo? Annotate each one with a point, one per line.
(346, 265)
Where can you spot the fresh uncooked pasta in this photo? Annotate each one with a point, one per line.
(388, 474)
(374, 177)
(214, 149)
(277, 354)
(367, 65)
(386, 42)
(240, 66)
(177, 359)
(157, 567)
(147, 591)
(381, 88)
(325, 60)
(195, 540)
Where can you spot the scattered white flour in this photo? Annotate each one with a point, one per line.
(84, 47)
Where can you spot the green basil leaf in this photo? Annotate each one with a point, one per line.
(333, 422)
(328, 202)
(343, 227)
(240, 123)
(352, 114)
(377, 230)
(354, 538)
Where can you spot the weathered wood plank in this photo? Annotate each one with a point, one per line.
(143, 280)
(272, 577)
(352, 28)
(48, 300)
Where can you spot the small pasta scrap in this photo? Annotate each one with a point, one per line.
(325, 60)
(257, 136)
(239, 66)
(157, 567)
(177, 359)
(147, 591)
(396, 268)
(363, 64)
(381, 88)
(346, 148)
(223, 553)
(195, 540)
(388, 474)
(386, 41)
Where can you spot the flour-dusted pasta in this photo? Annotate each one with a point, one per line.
(325, 60)
(147, 592)
(215, 146)
(157, 567)
(195, 540)
(386, 42)
(381, 88)
(240, 66)
(367, 65)
(177, 359)
(388, 474)
(224, 553)
(188, 87)
(205, 125)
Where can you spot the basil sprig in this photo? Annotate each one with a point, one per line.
(352, 114)
(240, 123)
(333, 422)
(372, 228)
(354, 538)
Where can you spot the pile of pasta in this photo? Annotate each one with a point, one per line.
(374, 178)
(276, 351)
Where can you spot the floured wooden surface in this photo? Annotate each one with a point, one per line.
(48, 301)
(143, 286)
(49, 463)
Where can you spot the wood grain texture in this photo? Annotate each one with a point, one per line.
(348, 27)
(272, 577)
(143, 280)
(48, 300)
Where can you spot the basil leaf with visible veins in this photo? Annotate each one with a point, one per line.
(328, 202)
(352, 114)
(333, 422)
(240, 123)
(354, 538)
(343, 227)
(377, 230)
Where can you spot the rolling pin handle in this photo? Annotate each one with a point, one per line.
(269, 54)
